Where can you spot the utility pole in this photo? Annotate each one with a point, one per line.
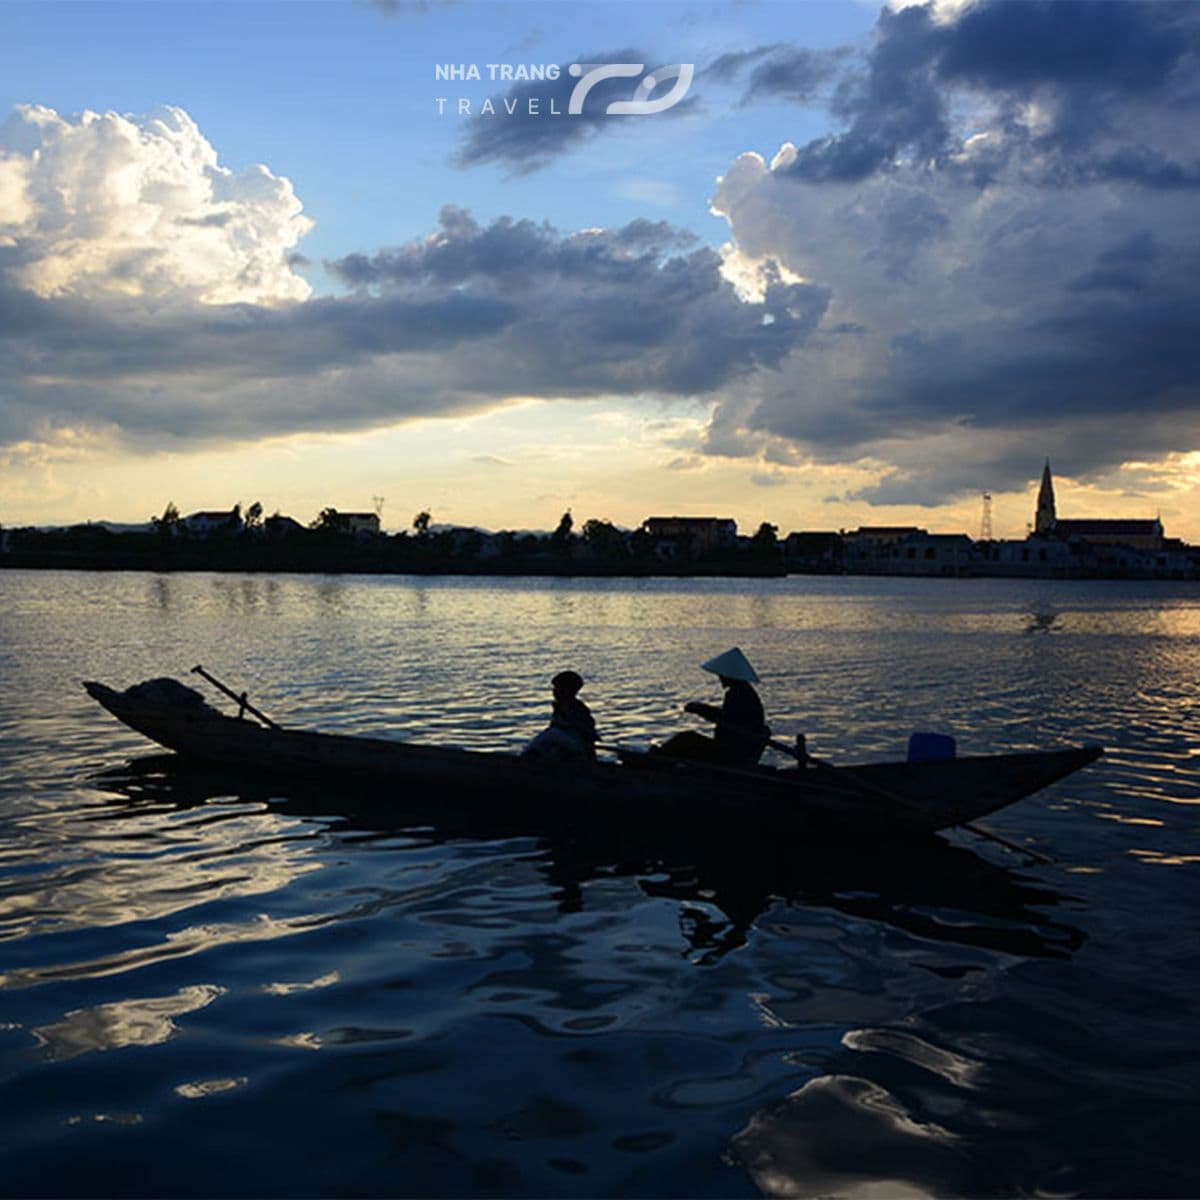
(377, 504)
(985, 523)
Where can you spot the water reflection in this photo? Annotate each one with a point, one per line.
(545, 1010)
(174, 944)
(846, 1136)
(147, 862)
(163, 591)
(721, 885)
(1042, 619)
(145, 1021)
(200, 1088)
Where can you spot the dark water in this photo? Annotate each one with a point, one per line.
(212, 985)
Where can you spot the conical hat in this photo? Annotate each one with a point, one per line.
(733, 664)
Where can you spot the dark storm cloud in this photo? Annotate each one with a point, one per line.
(779, 71)
(1101, 359)
(1121, 268)
(221, 372)
(1018, 45)
(1094, 384)
(797, 75)
(1089, 63)
(1005, 223)
(118, 339)
(730, 65)
(891, 103)
(516, 253)
(457, 322)
(525, 142)
(615, 309)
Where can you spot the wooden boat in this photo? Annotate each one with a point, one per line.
(878, 799)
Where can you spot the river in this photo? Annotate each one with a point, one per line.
(223, 986)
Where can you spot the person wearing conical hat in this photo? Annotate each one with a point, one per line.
(741, 729)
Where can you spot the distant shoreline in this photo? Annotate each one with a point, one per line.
(172, 561)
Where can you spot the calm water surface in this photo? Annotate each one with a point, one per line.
(216, 985)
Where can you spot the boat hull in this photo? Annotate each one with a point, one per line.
(881, 799)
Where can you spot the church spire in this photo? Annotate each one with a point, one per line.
(1046, 516)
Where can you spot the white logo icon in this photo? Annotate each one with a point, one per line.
(590, 74)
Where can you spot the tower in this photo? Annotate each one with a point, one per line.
(1044, 520)
(985, 523)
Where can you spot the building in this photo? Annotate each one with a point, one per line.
(1136, 534)
(880, 535)
(918, 553)
(279, 526)
(207, 523)
(934, 554)
(813, 550)
(1033, 557)
(359, 522)
(681, 537)
(1045, 517)
(868, 549)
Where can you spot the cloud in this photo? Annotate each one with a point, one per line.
(15, 204)
(766, 479)
(1069, 85)
(102, 204)
(466, 319)
(525, 141)
(393, 8)
(998, 290)
(779, 70)
(623, 311)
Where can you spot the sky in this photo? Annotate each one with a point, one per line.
(853, 265)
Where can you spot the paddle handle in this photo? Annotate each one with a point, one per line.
(243, 704)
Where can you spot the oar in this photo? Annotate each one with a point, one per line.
(882, 794)
(243, 704)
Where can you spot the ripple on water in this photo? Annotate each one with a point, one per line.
(351, 994)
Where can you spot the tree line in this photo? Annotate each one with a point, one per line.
(249, 540)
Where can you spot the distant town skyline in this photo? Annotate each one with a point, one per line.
(1045, 519)
(872, 264)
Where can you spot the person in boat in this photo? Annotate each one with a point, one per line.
(741, 729)
(572, 729)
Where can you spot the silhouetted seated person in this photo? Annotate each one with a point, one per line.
(571, 733)
(741, 730)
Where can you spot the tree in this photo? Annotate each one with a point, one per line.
(254, 515)
(766, 539)
(421, 523)
(329, 520)
(562, 535)
(604, 538)
(641, 544)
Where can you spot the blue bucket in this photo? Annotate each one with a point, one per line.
(927, 747)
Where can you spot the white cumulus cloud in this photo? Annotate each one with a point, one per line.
(102, 204)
